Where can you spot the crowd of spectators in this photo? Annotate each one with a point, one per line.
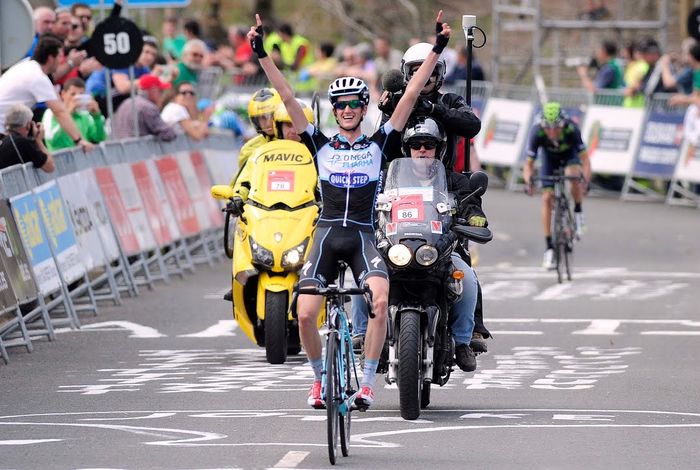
(640, 69)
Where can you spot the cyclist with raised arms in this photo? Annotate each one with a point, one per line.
(559, 138)
(349, 167)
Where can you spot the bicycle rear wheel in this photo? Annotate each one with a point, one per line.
(332, 394)
(344, 420)
(569, 246)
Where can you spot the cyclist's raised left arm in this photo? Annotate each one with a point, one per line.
(255, 36)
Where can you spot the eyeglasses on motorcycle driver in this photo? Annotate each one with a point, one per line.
(427, 144)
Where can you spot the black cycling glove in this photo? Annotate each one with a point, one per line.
(257, 43)
(440, 40)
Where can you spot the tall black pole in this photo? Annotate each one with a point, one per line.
(468, 23)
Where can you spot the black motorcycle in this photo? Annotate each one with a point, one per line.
(417, 235)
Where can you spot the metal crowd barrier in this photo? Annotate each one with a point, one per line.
(88, 256)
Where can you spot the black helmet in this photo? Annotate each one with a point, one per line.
(424, 129)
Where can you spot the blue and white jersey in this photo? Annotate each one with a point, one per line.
(351, 174)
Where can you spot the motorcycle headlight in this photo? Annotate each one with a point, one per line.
(400, 255)
(426, 255)
(295, 256)
(261, 255)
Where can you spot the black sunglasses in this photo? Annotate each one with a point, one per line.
(427, 145)
(188, 92)
(354, 104)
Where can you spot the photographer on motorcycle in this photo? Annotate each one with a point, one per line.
(349, 166)
(424, 138)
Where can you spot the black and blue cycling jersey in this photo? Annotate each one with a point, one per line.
(350, 174)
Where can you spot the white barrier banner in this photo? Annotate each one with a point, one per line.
(222, 164)
(98, 213)
(688, 166)
(612, 135)
(59, 231)
(505, 127)
(162, 200)
(133, 205)
(196, 192)
(85, 229)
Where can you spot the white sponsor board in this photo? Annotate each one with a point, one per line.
(98, 213)
(612, 135)
(197, 194)
(504, 129)
(133, 205)
(162, 199)
(222, 164)
(86, 234)
(688, 166)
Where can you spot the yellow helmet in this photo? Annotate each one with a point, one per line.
(263, 104)
(281, 116)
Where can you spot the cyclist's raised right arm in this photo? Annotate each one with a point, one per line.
(255, 36)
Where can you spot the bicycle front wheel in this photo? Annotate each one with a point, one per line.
(332, 394)
(344, 419)
(559, 240)
(569, 247)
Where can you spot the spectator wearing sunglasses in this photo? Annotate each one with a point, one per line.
(181, 112)
(83, 13)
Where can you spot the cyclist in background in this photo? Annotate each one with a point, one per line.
(559, 140)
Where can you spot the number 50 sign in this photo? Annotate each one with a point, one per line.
(116, 42)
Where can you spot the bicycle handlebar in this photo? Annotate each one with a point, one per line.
(335, 290)
(556, 178)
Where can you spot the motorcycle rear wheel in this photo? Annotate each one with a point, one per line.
(410, 355)
(276, 327)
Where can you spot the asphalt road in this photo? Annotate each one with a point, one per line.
(598, 373)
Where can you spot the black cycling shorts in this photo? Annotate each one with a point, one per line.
(333, 244)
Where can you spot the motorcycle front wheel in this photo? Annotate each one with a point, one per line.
(276, 327)
(410, 377)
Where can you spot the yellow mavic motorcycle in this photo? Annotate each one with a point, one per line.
(271, 240)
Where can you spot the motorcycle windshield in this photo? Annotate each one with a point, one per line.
(417, 191)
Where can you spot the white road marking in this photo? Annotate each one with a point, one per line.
(600, 327)
(24, 442)
(222, 328)
(216, 295)
(291, 459)
(671, 333)
(137, 331)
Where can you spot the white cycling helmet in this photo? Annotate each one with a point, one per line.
(345, 86)
(415, 55)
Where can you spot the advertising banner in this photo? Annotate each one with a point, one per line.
(611, 135)
(194, 190)
(222, 164)
(133, 205)
(216, 218)
(17, 267)
(117, 211)
(98, 213)
(59, 231)
(151, 203)
(163, 201)
(177, 194)
(688, 166)
(28, 219)
(660, 146)
(7, 295)
(85, 230)
(505, 126)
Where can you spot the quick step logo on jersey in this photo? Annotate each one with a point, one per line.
(348, 180)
